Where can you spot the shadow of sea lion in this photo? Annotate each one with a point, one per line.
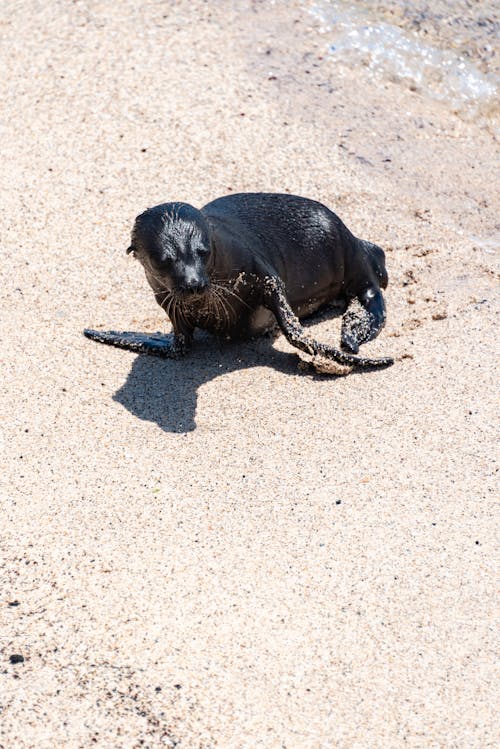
(165, 390)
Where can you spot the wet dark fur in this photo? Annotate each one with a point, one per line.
(245, 262)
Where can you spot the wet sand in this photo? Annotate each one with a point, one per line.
(226, 551)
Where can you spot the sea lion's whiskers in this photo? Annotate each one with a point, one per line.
(166, 303)
(167, 295)
(156, 278)
(169, 306)
(172, 311)
(226, 309)
(230, 309)
(214, 304)
(182, 313)
(179, 312)
(231, 292)
(224, 306)
(224, 290)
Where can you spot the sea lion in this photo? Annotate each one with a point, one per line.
(245, 262)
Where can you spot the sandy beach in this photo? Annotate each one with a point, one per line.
(231, 551)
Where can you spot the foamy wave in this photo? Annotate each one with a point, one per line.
(387, 51)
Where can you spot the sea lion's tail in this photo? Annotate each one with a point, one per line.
(376, 257)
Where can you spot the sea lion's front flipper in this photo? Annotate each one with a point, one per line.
(363, 320)
(155, 344)
(275, 299)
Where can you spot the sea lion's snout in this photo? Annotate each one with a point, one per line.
(193, 286)
(190, 276)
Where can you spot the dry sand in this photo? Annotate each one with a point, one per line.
(225, 551)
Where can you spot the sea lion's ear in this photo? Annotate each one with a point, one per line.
(130, 249)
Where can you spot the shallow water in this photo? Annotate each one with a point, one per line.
(439, 53)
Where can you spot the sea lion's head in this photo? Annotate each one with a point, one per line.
(172, 243)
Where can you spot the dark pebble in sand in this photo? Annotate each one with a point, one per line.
(16, 658)
(13, 603)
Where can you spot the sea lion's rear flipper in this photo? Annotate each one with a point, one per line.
(275, 299)
(363, 320)
(154, 344)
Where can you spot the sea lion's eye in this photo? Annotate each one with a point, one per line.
(162, 264)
